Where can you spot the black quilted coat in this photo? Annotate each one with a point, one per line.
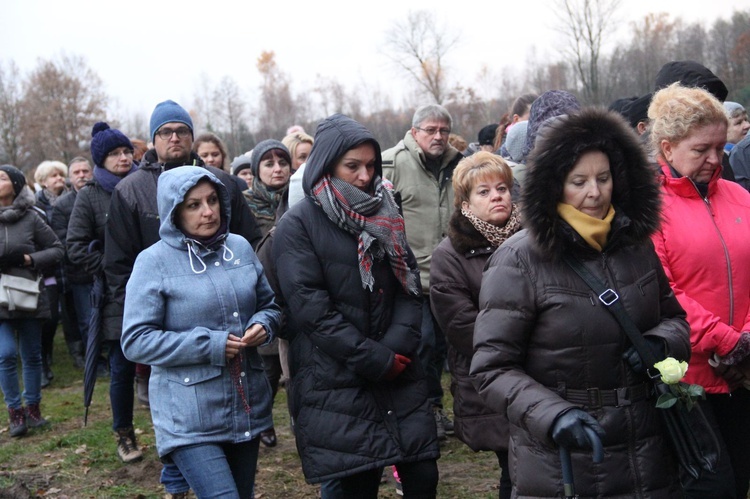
(348, 418)
(541, 331)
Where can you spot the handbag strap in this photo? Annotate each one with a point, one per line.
(612, 302)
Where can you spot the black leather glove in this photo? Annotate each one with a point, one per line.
(12, 259)
(633, 358)
(567, 430)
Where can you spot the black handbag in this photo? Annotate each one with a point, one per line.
(692, 436)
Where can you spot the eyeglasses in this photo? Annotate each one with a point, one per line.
(116, 154)
(433, 130)
(166, 133)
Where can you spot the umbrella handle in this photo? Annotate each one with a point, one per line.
(596, 444)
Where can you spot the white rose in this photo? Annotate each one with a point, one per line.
(671, 370)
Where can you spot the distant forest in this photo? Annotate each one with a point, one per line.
(48, 113)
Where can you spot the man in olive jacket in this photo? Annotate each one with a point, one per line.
(421, 169)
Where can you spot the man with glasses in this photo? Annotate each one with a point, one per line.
(133, 222)
(421, 169)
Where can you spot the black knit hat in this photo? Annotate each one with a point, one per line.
(691, 74)
(637, 110)
(16, 177)
(487, 135)
(104, 139)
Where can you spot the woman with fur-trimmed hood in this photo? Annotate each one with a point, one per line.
(543, 341)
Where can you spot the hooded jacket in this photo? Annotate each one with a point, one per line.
(542, 335)
(703, 245)
(348, 419)
(133, 221)
(23, 230)
(427, 202)
(183, 300)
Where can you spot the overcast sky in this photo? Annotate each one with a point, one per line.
(148, 51)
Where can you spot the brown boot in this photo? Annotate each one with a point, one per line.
(17, 422)
(127, 448)
(34, 417)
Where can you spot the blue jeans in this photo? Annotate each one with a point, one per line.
(219, 470)
(82, 302)
(30, 343)
(172, 479)
(120, 386)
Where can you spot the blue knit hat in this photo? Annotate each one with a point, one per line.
(104, 139)
(169, 112)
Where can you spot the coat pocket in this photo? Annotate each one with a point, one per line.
(329, 373)
(197, 398)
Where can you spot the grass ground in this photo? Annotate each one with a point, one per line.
(68, 460)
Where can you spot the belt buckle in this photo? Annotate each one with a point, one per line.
(608, 297)
(595, 398)
(622, 397)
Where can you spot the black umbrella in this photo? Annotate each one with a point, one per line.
(93, 344)
(569, 490)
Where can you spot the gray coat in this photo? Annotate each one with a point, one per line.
(183, 300)
(22, 229)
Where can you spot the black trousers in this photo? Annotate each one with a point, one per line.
(419, 481)
(730, 417)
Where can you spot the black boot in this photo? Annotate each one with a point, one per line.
(47, 374)
(76, 350)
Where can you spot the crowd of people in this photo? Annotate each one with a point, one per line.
(354, 276)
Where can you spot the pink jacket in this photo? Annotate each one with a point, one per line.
(704, 246)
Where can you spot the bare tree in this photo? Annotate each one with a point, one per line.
(10, 113)
(585, 23)
(418, 46)
(63, 99)
(277, 107)
(229, 114)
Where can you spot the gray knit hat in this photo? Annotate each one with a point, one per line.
(549, 104)
(515, 140)
(265, 146)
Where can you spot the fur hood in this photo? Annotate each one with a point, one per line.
(635, 196)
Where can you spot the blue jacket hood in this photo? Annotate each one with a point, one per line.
(334, 136)
(172, 187)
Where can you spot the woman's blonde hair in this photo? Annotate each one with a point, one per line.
(479, 166)
(676, 111)
(294, 139)
(46, 168)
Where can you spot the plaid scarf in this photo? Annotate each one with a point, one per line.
(375, 221)
(494, 234)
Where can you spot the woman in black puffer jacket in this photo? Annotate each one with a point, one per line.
(547, 351)
(351, 286)
(27, 247)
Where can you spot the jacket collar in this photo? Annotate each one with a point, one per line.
(466, 239)
(684, 186)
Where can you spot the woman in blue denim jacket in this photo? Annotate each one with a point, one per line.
(197, 305)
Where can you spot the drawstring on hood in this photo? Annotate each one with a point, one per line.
(192, 244)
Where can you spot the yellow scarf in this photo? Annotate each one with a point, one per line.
(592, 230)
